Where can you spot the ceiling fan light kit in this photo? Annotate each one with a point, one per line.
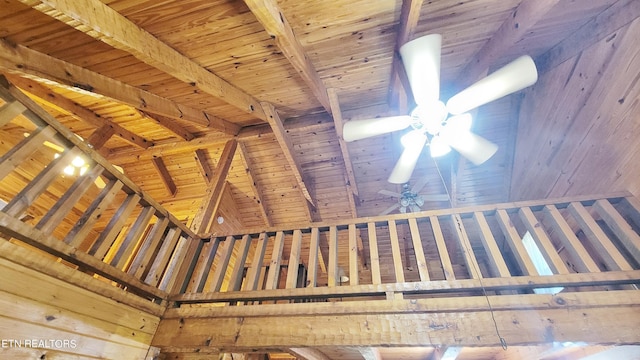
(430, 120)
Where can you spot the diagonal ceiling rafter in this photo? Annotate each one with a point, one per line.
(107, 25)
(20, 60)
(270, 16)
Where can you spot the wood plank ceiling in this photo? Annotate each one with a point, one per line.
(161, 87)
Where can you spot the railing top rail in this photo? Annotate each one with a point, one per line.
(9, 91)
(560, 203)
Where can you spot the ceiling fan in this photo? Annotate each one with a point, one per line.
(409, 199)
(430, 119)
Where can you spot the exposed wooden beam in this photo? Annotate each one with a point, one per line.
(275, 23)
(613, 18)
(352, 188)
(460, 321)
(308, 354)
(100, 136)
(165, 176)
(258, 190)
(102, 23)
(20, 60)
(170, 124)
(211, 200)
(9, 111)
(512, 30)
(287, 148)
(203, 165)
(78, 111)
(409, 16)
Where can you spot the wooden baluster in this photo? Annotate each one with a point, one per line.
(238, 268)
(162, 258)
(223, 263)
(146, 252)
(172, 273)
(18, 154)
(253, 274)
(203, 266)
(542, 240)
(633, 206)
(84, 225)
(376, 277)
(294, 260)
(274, 264)
(63, 206)
(515, 243)
(465, 247)
(581, 258)
(598, 239)
(445, 260)
(419, 251)
(21, 202)
(332, 271)
(314, 246)
(9, 111)
(495, 258)
(126, 249)
(105, 240)
(353, 255)
(629, 238)
(395, 251)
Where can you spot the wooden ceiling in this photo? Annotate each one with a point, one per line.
(175, 80)
(168, 83)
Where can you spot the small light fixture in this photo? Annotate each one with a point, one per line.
(220, 219)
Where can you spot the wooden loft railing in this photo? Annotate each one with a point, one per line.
(589, 243)
(100, 223)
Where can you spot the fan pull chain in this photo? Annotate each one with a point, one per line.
(503, 342)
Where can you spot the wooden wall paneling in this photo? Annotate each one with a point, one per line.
(235, 281)
(629, 238)
(149, 249)
(223, 262)
(132, 240)
(276, 259)
(104, 241)
(468, 254)
(494, 256)
(541, 238)
(14, 157)
(445, 260)
(294, 260)
(35, 304)
(514, 241)
(257, 187)
(253, 273)
(579, 254)
(78, 233)
(312, 267)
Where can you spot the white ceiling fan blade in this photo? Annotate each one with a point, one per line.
(361, 129)
(419, 185)
(390, 193)
(421, 59)
(401, 173)
(512, 77)
(390, 209)
(473, 147)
